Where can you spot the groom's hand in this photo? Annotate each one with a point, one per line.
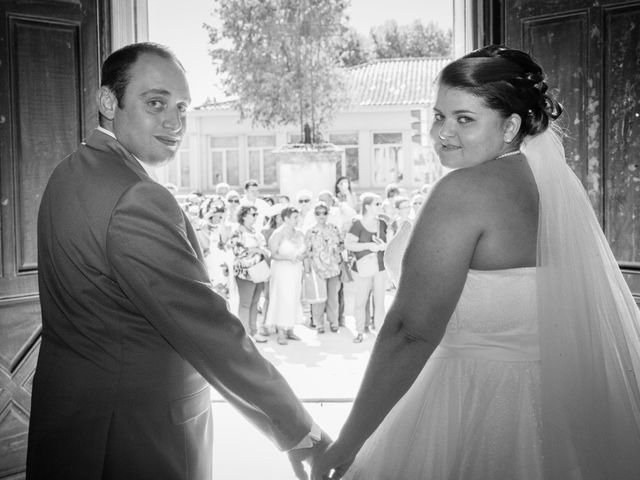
(332, 464)
(308, 455)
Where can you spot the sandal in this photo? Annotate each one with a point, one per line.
(291, 335)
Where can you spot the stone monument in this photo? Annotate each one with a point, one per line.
(307, 166)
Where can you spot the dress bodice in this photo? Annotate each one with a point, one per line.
(292, 247)
(495, 318)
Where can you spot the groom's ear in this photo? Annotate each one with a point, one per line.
(107, 102)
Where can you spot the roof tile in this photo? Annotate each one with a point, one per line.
(384, 82)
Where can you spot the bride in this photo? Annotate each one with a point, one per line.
(512, 346)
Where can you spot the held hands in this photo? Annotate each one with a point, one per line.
(332, 464)
(308, 455)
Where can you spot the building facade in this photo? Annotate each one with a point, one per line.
(383, 135)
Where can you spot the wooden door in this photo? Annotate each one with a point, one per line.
(591, 52)
(49, 68)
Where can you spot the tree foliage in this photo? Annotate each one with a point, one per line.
(353, 48)
(280, 58)
(414, 40)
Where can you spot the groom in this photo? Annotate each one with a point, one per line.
(133, 334)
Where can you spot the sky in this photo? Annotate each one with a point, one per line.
(179, 26)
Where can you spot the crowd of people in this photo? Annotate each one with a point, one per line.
(307, 245)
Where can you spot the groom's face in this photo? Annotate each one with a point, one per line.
(151, 120)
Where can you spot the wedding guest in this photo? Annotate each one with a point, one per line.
(367, 237)
(426, 189)
(217, 258)
(270, 201)
(273, 222)
(285, 285)
(347, 202)
(283, 199)
(304, 201)
(249, 248)
(252, 197)
(334, 218)
(324, 246)
(391, 191)
(233, 206)
(416, 204)
(400, 232)
(222, 189)
(401, 215)
(512, 348)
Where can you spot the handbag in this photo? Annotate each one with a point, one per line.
(345, 273)
(367, 266)
(314, 288)
(259, 272)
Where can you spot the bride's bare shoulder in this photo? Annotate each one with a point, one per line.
(487, 182)
(465, 186)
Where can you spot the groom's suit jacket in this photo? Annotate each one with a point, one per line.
(133, 334)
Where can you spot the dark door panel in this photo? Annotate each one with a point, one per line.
(590, 50)
(49, 68)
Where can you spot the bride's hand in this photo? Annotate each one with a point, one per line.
(333, 459)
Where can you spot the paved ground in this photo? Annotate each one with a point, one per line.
(325, 372)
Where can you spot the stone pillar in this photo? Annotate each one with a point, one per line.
(307, 166)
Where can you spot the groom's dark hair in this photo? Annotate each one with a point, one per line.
(116, 69)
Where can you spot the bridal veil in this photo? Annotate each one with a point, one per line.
(589, 327)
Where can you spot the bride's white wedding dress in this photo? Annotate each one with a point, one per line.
(474, 411)
(537, 374)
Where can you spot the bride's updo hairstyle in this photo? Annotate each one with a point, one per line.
(508, 81)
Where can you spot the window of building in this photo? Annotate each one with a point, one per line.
(388, 160)
(294, 138)
(348, 165)
(179, 171)
(223, 161)
(426, 166)
(262, 167)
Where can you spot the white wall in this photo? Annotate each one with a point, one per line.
(365, 121)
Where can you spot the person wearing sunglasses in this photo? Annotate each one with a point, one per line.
(249, 248)
(324, 245)
(232, 200)
(304, 202)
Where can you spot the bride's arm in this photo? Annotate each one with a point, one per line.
(434, 271)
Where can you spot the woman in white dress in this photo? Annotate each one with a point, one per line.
(288, 249)
(512, 348)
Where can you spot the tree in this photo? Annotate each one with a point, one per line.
(427, 40)
(281, 59)
(353, 48)
(415, 40)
